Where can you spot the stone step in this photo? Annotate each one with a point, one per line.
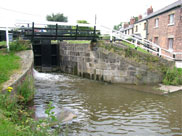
(178, 64)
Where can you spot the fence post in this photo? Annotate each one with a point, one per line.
(94, 32)
(76, 32)
(32, 31)
(136, 44)
(111, 36)
(56, 31)
(7, 39)
(159, 50)
(174, 56)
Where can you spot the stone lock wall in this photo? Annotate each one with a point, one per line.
(103, 65)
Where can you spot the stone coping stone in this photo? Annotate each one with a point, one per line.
(169, 88)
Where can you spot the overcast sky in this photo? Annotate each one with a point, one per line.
(109, 12)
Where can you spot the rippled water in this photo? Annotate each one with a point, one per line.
(109, 109)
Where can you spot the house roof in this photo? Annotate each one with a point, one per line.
(163, 10)
(127, 28)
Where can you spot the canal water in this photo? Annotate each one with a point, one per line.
(104, 109)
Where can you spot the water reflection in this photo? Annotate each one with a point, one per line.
(110, 110)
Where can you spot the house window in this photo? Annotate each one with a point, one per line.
(156, 22)
(170, 43)
(132, 31)
(171, 19)
(136, 28)
(156, 40)
(145, 26)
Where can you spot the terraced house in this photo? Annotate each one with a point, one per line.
(165, 27)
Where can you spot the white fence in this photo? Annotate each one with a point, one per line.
(144, 44)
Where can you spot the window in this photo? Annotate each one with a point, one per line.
(156, 22)
(145, 26)
(136, 29)
(171, 19)
(156, 40)
(170, 43)
(132, 30)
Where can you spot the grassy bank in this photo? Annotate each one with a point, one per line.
(133, 47)
(78, 42)
(16, 117)
(9, 62)
(2, 43)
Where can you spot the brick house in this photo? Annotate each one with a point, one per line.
(140, 28)
(128, 27)
(165, 27)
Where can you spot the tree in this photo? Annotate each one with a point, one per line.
(82, 22)
(57, 17)
(117, 27)
(136, 19)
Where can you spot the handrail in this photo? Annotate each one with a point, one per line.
(137, 39)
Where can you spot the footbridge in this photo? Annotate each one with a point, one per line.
(46, 31)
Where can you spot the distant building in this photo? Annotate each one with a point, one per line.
(128, 27)
(140, 27)
(165, 27)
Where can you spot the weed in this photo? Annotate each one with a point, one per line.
(173, 76)
(20, 45)
(26, 90)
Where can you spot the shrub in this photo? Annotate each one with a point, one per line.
(173, 76)
(20, 45)
(26, 90)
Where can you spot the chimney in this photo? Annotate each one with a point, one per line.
(149, 10)
(139, 17)
(126, 25)
(132, 21)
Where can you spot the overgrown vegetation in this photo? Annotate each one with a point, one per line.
(17, 45)
(133, 47)
(26, 90)
(173, 76)
(20, 45)
(16, 119)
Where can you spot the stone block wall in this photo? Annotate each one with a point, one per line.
(101, 64)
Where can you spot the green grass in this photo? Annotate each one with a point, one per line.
(8, 63)
(3, 43)
(133, 47)
(8, 128)
(78, 42)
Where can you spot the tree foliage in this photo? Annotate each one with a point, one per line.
(82, 22)
(57, 17)
(117, 27)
